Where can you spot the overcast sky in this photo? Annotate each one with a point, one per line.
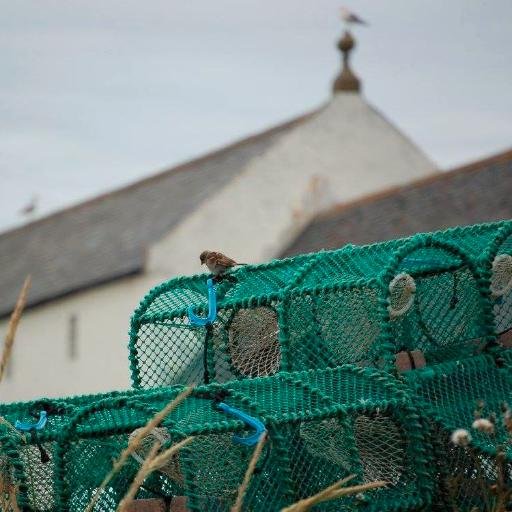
(97, 93)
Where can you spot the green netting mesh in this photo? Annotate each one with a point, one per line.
(450, 393)
(438, 293)
(321, 428)
(307, 345)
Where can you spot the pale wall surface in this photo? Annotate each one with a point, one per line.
(344, 152)
(41, 365)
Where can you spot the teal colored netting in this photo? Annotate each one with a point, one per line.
(450, 393)
(360, 305)
(321, 428)
(308, 346)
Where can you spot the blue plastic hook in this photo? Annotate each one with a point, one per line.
(27, 427)
(255, 423)
(212, 308)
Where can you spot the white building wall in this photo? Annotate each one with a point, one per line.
(41, 364)
(344, 152)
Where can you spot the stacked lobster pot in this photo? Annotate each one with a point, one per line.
(322, 425)
(372, 362)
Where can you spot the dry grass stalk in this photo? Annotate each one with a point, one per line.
(152, 462)
(13, 326)
(8, 493)
(248, 474)
(139, 478)
(161, 460)
(317, 498)
(331, 493)
(135, 442)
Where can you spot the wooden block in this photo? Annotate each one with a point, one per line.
(178, 504)
(505, 338)
(409, 360)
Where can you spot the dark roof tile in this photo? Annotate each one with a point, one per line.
(106, 237)
(479, 192)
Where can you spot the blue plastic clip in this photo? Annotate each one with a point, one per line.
(255, 423)
(212, 308)
(27, 427)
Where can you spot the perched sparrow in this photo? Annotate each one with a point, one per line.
(217, 262)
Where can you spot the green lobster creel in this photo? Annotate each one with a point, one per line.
(439, 293)
(322, 426)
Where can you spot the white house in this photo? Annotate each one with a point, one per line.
(93, 262)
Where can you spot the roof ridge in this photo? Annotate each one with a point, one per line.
(180, 167)
(401, 133)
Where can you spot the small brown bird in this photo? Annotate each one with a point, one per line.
(217, 262)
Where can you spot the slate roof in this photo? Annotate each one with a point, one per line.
(106, 238)
(478, 192)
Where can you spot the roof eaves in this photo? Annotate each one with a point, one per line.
(185, 166)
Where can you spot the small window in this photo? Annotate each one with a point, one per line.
(9, 368)
(73, 337)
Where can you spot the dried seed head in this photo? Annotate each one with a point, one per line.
(477, 413)
(507, 420)
(483, 425)
(460, 437)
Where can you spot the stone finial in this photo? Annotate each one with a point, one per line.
(346, 80)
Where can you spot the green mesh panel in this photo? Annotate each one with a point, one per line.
(321, 428)
(444, 319)
(318, 336)
(450, 394)
(358, 305)
(440, 387)
(464, 476)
